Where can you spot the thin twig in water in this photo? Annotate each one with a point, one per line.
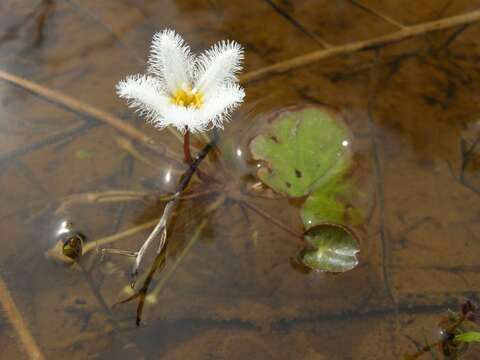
(77, 106)
(15, 318)
(271, 219)
(466, 153)
(102, 197)
(402, 34)
(114, 31)
(297, 24)
(127, 146)
(152, 297)
(113, 251)
(118, 236)
(161, 227)
(136, 229)
(253, 231)
(377, 14)
(159, 263)
(120, 339)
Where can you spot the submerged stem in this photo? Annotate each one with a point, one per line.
(136, 229)
(270, 218)
(161, 227)
(107, 196)
(188, 156)
(152, 297)
(18, 323)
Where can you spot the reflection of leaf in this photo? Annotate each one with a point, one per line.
(304, 149)
(335, 249)
(468, 337)
(330, 203)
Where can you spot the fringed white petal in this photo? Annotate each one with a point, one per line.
(171, 60)
(218, 66)
(219, 105)
(144, 93)
(179, 117)
(173, 67)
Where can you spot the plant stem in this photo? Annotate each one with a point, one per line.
(161, 227)
(271, 219)
(158, 264)
(186, 146)
(91, 245)
(136, 229)
(152, 297)
(188, 157)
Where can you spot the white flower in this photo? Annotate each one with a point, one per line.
(183, 90)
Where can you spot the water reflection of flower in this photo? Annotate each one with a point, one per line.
(184, 90)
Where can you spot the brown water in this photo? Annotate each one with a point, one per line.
(413, 108)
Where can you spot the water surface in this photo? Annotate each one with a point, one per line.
(413, 108)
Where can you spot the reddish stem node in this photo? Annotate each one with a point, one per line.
(186, 146)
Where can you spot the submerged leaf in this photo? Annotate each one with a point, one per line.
(335, 249)
(303, 150)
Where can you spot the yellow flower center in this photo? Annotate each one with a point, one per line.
(185, 96)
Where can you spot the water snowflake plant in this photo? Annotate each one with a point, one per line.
(191, 93)
(300, 153)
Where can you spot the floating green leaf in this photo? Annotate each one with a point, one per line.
(335, 249)
(306, 151)
(303, 150)
(468, 337)
(331, 203)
